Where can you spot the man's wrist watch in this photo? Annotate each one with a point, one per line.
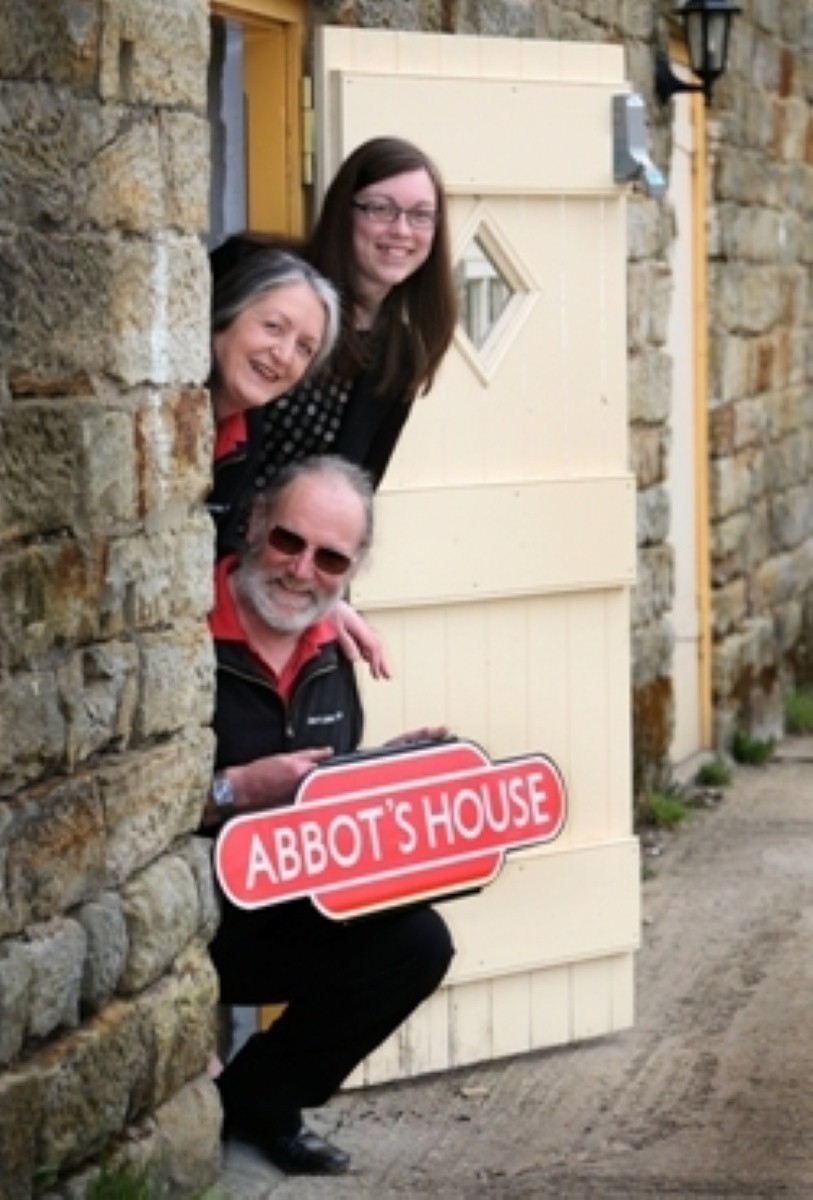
(222, 794)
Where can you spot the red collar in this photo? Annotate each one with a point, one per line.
(231, 433)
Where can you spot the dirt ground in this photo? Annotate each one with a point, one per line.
(710, 1095)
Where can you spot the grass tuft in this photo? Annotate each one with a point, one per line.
(715, 773)
(662, 811)
(120, 1185)
(754, 752)
(799, 713)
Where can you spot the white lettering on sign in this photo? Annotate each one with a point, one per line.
(441, 821)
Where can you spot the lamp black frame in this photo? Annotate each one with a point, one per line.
(666, 82)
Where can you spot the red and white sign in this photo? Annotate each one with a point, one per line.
(388, 829)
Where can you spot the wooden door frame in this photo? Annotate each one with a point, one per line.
(275, 34)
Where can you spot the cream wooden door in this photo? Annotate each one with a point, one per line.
(506, 549)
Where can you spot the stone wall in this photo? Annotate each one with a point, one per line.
(761, 369)
(106, 990)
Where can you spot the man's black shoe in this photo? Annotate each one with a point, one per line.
(301, 1153)
(305, 1153)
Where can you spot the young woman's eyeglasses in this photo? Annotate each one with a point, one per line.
(387, 212)
(325, 559)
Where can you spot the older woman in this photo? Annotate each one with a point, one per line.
(274, 319)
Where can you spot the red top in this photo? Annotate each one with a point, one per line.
(231, 432)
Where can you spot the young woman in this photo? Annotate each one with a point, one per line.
(382, 238)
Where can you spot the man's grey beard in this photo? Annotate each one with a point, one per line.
(250, 583)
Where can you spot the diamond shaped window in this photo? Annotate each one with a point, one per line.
(483, 292)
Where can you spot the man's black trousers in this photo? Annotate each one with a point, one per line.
(346, 986)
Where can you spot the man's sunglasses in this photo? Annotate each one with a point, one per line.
(291, 545)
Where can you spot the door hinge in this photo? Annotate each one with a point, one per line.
(307, 129)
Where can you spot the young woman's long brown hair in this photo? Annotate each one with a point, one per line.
(418, 317)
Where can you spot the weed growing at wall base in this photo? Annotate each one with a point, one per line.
(799, 713)
(663, 811)
(120, 1185)
(753, 752)
(714, 773)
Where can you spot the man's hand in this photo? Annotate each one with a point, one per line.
(358, 640)
(271, 782)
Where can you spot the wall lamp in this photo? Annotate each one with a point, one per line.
(707, 27)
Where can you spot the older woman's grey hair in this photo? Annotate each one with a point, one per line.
(264, 271)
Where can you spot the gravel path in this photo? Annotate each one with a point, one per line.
(709, 1096)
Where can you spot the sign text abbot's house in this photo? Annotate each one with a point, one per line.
(373, 831)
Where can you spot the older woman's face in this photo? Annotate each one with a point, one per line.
(266, 349)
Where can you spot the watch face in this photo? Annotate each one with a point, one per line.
(222, 791)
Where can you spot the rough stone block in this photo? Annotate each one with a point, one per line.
(96, 1080)
(49, 592)
(161, 910)
(792, 517)
(155, 54)
(33, 501)
(15, 986)
(185, 148)
(179, 1016)
(21, 1092)
(159, 312)
(151, 798)
(106, 934)
(729, 358)
(85, 305)
(652, 595)
(52, 848)
(177, 677)
(650, 382)
(49, 139)
(789, 462)
(175, 449)
(98, 689)
(125, 189)
(59, 290)
(649, 450)
(91, 475)
(107, 476)
(155, 580)
(730, 607)
(653, 516)
(189, 1132)
(34, 728)
(735, 483)
(197, 853)
(56, 954)
(50, 40)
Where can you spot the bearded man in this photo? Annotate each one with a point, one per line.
(286, 700)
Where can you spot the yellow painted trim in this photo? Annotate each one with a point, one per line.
(266, 10)
(701, 422)
(274, 37)
(679, 54)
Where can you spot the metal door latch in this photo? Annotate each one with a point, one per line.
(631, 161)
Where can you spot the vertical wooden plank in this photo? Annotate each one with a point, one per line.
(511, 1008)
(592, 999)
(551, 1006)
(470, 1031)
